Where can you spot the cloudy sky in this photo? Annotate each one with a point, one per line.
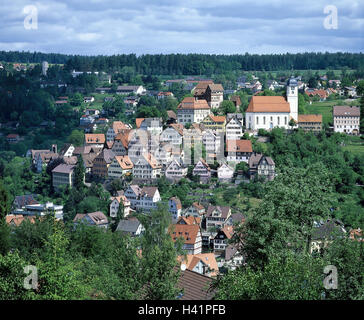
(181, 26)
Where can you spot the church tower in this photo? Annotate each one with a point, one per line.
(292, 98)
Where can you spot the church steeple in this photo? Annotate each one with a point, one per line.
(292, 97)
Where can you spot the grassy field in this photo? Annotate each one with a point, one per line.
(355, 145)
(325, 108)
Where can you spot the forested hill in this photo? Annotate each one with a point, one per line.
(192, 64)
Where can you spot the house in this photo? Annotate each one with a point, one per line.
(131, 102)
(144, 199)
(225, 173)
(121, 144)
(214, 95)
(350, 92)
(95, 140)
(202, 170)
(102, 90)
(153, 125)
(232, 257)
(60, 103)
(139, 90)
(162, 95)
(199, 91)
(43, 158)
(67, 150)
(101, 163)
(115, 203)
(191, 235)
(234, 126)
(202, 263)
(13, 138)
(130, 226)
(213, 143)
(310, 122)
(22, 201)
(97, 219)
(238, 150)
(190, 220)
(175, 171)
(13, 220)
(261, 166)
(173, 134)
(215, 123)
(92, 112)
(86, 120)
(236, 219)
(175, 208)
(39, 209)
(192, 110)
(117, 127)
(63, 174)
(217, 216)
(146, 168)
(321, 93)
(346, 119)
(195, 210)
(222, 237)
(324, 233)
(195, 286)
(120, 166)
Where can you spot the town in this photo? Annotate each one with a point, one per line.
(117, 154)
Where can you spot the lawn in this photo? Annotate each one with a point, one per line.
(355, 145)
(324, 108)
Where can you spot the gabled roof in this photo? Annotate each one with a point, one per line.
(128, 225)
(124, 162)
(24, 200)
(207, 258)
(16, 220)
(346, 111)
(171, 114)
(95, 138)
(151, 160)
(195, 286)
(192, 103)
(239, 146)
(223, 209)
(138, 122)
(63, 168)
(227, 230)
(188, 232)
(148, 191)
(255, 159)
(215, 87)
(310, 118)
(97, 217)
(268, 104)
(178, 127)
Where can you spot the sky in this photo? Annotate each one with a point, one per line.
(181, 26)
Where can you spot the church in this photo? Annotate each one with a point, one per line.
(267, 112)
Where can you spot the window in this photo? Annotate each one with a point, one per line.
(285, 120)
(263, 120)
(257, 120)
(278, 120)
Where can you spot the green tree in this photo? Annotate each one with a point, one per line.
(159, 256)
(76, 137)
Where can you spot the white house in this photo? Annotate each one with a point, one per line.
(234, 127)
(131, 90)
(175, 171)
(115, 203)
(173, 134)
(191, 110)
(144, 199)
(120, 166)
(238, 150)
(146, 167)
(346, 119)
(153, 125)
(225, 173)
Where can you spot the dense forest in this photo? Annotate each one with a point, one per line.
(193, 64)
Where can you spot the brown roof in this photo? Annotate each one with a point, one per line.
(216, 87)
(309, 118)
(239, 146)
(217, 118)
(124, 162)
(149, 191)
(97, 217)
(255, 159)
(192, 103)
(346, 111)
(95, 138)
(17, 220)
(118, 126)
(123, 138)
(171, 114)
(195, 286)
(268, 104)
(198, 206)
(138, 122)
(207, 258)
(178, 127)
(188, 232)
(228, 230)
(63, 168)
(151, 160)
(223, 209)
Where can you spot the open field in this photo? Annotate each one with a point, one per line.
(355, 145)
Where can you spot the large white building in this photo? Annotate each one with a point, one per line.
(346, 119)
(267, 112)
(192, 110)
